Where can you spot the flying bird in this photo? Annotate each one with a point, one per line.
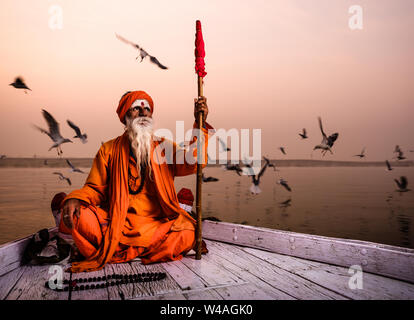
(247, 169)
(83, 137)
(389, 168)
(283, 150)
(286, 203)
(53, 132)
(270, 164)
(401, 156)
(362, 154)
(73, 168)
(402, 184)
(209, 179)
(303, 134)
(142, 52)
(400, 153)
(327, 142)
(19, 84)
(233, 167)
(62, 177)
(284, 184)
(254, 189)
(223, 146)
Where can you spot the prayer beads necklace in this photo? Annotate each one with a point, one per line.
(131, 177)
(74, 285)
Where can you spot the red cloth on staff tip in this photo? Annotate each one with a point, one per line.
(199, 51)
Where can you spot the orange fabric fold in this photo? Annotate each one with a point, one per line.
(118, 201)
(107, 187)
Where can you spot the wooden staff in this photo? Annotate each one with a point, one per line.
(199, 55)
(200, 152)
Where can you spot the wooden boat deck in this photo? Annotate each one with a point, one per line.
(228, 272)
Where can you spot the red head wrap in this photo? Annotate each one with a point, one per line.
(128, 99)
(185, 196)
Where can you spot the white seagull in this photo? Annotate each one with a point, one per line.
(254, 189)
(286, 203)
(82, 137)
(232, 167)
(270, 164)
(62, 177)
(327, 142)
(303, 134)
(284, 184)
(402, 184)
(223, 145)
(400, 153)
(389, 168)
(53, 132)
(73, 168)
(209, 179)
(142, 52)
(362, 154)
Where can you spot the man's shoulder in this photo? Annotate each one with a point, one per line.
(107, 146)
(108, 143)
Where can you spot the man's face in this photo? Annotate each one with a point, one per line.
(139, 108)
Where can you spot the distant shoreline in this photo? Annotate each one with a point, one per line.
(87, 163)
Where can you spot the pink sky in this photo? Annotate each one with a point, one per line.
(274, 65)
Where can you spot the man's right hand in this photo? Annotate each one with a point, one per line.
(71, 207)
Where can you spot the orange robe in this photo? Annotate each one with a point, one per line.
(116, 226)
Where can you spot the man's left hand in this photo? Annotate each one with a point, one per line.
(200, 104)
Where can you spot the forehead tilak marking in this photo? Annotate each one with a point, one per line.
(141, 102)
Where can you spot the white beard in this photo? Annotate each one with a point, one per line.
(140, 133)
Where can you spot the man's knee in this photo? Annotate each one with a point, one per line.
(88, 224)
(184, 241)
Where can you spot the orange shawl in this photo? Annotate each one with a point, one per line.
(118, 199)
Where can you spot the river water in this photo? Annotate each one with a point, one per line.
(346, 202)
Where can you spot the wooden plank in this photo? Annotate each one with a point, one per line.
(11, 253)
(8, 281)
(268, 277)
(255, 287)
(250, 291)
(391, 261)
(210, 271)
(337, 278)
(31, 285)
(248, 287)
(157, 287)
(165, 296)
(197, 294)
(91, 294)
(207, 293)
(139, 290)
(183, 275)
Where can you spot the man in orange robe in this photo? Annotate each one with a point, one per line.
(128, 206)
